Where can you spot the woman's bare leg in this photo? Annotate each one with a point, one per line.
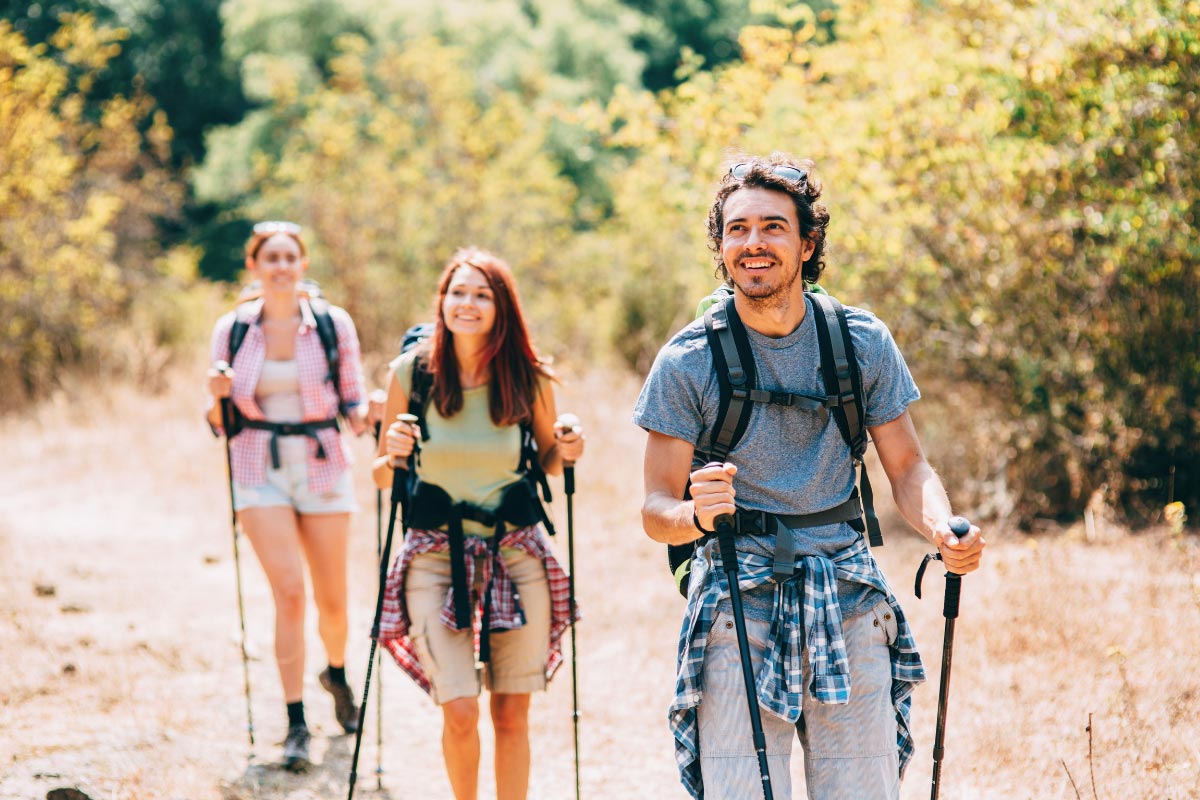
(274, 533)
(324, 539)
(460, 746)
(510, 718)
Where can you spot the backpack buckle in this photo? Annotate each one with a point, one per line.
(781, 399)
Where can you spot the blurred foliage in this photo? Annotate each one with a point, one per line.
(1013, 188)
(170, 51)
(79, 193)
(392, 164)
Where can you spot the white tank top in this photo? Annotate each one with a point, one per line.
(278, 395)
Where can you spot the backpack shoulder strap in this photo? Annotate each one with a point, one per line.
(237, 332)
(419, 389)
(327, 333)
(237, 335)
(531, 466)
(843, 385)
(733, 361)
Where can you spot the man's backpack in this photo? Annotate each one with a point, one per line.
(419, 395)
(326, 332)
(733, 361)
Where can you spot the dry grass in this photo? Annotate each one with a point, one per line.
(126, 682)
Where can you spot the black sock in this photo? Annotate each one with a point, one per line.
(337, 675)
(296, 713)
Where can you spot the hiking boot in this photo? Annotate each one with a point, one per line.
(344, 707)
(295, 748)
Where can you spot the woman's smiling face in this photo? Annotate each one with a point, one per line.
(469, 307)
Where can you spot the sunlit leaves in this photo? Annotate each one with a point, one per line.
(79, 187)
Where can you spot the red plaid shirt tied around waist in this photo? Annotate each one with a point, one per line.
(505, 610)
(318, 397)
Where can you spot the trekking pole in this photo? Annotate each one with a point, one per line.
(570, 422)
(725, 534)
(379, 396)
(227, 424)
(399, 495)
(959, 526)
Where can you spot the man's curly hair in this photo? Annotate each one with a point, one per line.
(813, 216)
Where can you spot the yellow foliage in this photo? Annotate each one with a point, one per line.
(77, 190)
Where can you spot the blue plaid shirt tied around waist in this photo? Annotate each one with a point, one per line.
(806, 616)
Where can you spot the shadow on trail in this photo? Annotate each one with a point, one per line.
(327, 777)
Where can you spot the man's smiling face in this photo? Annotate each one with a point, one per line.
(761, 243)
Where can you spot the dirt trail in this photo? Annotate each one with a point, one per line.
(119, 642)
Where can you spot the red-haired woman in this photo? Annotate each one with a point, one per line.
(476, 554)
(292, 486)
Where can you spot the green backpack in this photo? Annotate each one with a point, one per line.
(733, 361)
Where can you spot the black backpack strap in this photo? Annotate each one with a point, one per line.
(237, 335)
(733, 361)
(843, 385)
(531, 466)
(327, 333)
(419, 390)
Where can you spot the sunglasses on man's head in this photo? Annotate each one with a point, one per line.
(276, 226)
(792, 174)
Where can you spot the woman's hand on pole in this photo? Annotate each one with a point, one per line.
(569, 438)
(376, 400)
(220, 380)
(357, 418)
(400, 439)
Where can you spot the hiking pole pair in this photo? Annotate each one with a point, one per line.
(725, 539)
(570, 422)
(400, 494)
(960, 527)
(227, 423)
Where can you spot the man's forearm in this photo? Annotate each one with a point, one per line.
(668, 519)
(921, 498)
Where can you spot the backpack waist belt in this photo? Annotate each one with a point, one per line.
(750, 522)
(278, 429)
(433, 508)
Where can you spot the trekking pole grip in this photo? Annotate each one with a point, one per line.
(725, 540)
(400, 487)
(226, 402)
(568, 422)
(960, 527)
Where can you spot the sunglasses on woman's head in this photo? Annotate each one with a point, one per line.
(276, 226)
(791, 174)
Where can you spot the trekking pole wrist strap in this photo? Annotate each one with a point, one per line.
(699, 527)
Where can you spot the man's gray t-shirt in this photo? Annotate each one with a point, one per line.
(788, 460)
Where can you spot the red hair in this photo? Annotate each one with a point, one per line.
(515, 366)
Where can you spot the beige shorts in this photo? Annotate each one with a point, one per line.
(518, 658)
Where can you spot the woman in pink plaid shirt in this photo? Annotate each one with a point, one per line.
(292, 485)
(476, 564)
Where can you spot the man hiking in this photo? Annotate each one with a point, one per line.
(831, 656)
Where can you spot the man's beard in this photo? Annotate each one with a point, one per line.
(762, 296)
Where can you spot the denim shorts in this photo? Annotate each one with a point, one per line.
(288, 486)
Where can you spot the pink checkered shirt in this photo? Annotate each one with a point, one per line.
(317, 396)
(506, 612)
